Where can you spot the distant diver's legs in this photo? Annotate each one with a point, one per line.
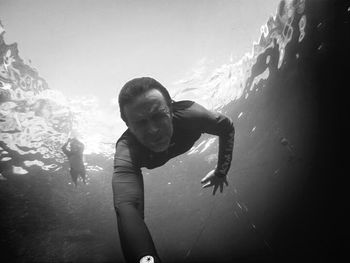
(74, 175)
(83, 176)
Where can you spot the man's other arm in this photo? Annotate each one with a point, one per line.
(217, 124)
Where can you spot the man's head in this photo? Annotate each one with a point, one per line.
(76, 146)
(145, 106)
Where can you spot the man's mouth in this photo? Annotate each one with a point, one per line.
(159, 140)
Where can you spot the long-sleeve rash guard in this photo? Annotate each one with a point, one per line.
(190, 120)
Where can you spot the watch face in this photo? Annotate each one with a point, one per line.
(147, 259)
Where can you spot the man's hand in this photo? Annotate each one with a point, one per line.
(213, 180)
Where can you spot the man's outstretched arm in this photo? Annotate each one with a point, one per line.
(128, 193)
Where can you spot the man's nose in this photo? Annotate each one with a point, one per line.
(153, 128)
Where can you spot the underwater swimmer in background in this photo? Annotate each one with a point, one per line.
(158, 129)
(75, 157)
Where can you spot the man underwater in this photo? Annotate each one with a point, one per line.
(75, 157)
(158, 129)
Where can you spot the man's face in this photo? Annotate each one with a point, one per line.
(75, 146)
(150, 120)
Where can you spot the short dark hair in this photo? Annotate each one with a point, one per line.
(136, 87)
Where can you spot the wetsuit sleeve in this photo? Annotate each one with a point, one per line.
(128, 194)
(217, 124)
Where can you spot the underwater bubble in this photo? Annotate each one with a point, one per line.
(284, 141)
(5, 159)
(240, 115)
(253, 129)
(289, 34)
(302, 23)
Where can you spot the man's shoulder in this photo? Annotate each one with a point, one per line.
(184, 108)
(182, 105)
(126, 149)
(126, 140)
(189, 110)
